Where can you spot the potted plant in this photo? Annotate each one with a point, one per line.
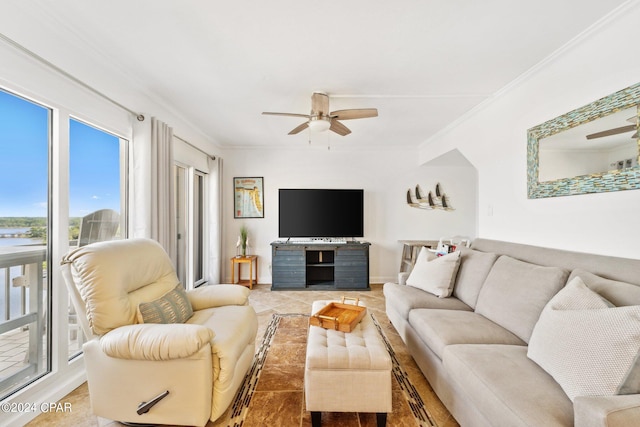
(244, 239)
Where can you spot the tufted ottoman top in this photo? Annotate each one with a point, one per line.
(361, 349)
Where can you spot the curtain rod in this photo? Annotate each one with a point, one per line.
(49, 64)
(194, 147)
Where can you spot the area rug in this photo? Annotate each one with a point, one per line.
(273, 389)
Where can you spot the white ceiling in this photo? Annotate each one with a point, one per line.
(218, 65)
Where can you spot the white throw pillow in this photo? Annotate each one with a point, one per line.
(435, 275)
(587, 346)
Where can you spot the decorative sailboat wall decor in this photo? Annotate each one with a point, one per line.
(428, 201)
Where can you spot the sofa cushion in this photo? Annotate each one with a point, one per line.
(618, 293)
(507, 387)
(402, 299)
(515, 292)
(440, 328)
(474, 268)
(435, 275)
(172, 307)
(589, 347)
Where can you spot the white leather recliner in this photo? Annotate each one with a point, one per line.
(178, 373)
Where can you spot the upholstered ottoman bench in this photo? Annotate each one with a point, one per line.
(347, 372)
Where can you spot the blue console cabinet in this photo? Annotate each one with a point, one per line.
(320, 266)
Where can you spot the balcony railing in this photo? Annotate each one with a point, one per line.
(22, 268)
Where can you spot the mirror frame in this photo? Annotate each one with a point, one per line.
(614, 180)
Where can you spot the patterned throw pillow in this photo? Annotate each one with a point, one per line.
(172, 307)
(587, 346)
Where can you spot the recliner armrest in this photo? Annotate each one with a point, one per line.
(153, 341)
(218, 296)
(606, 411)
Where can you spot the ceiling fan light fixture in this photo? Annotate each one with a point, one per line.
(319, 124)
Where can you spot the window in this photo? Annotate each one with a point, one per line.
(97, 195)
(25, 144)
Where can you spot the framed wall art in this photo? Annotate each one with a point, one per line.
(248, 197)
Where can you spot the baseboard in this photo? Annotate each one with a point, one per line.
(383, 279)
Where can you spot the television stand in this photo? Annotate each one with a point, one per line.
(320, 265)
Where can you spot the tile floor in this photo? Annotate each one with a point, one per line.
(267, 303)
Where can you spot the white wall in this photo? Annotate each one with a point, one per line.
(494, 139)
(385, 176)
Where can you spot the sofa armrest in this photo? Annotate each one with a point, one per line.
(402, 277)
(218, 296)
(153, 341)
(606, 411)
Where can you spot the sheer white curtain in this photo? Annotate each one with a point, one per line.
(215, 220)
(163, 221)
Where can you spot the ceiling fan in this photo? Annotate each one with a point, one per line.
(321, 119)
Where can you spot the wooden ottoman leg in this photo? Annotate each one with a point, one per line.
(381, 419)
(316, 418)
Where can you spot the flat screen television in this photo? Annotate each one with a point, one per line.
(321, 213)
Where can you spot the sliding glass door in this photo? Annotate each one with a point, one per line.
(198, 227)
(182, 223)
(32, 338)
(190, 204)
(25, 286)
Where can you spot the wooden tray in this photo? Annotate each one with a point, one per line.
(339, 316)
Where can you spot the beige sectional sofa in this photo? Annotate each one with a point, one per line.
(473, 345)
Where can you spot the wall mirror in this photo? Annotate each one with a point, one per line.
(592, 149)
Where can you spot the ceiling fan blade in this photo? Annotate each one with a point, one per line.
(319, 104)
(613, 131)
(339, 128)
(299, 128)
(356, 113)
(266, 113)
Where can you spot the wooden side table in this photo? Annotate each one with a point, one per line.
(252, 260)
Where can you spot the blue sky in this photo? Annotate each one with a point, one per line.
(94, 156)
